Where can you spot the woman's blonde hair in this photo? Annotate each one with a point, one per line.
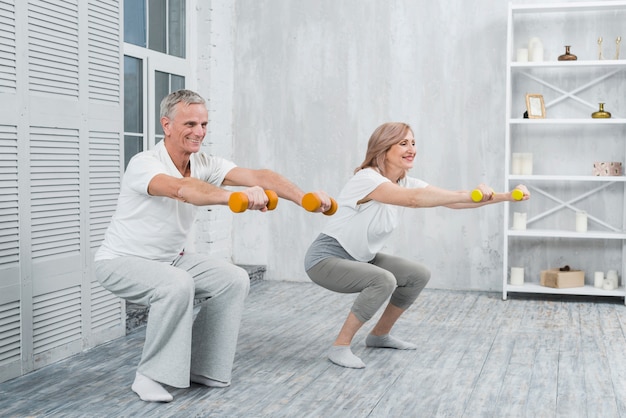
(383, 138)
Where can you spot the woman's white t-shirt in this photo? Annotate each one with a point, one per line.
(155, 227)
(363, 229)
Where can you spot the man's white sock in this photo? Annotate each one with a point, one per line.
(149, 390)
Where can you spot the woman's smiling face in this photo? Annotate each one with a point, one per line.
(399, 158)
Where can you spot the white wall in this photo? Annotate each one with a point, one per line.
(313, 79)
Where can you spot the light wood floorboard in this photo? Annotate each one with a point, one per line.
(478, 356)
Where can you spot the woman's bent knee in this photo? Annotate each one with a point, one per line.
(386, 283)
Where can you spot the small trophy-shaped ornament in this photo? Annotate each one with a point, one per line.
(600, 48)
(601, 113)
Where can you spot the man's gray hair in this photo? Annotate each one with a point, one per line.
(168, 104)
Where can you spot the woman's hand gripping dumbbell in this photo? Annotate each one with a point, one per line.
(241, 201)
(312, 202)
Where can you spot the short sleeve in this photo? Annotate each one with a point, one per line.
(360, 185)
(141, 170)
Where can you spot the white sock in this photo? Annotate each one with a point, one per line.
(341, 355)
(196, 378)
(149, 390)
(387, 341)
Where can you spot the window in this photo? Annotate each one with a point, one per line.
(133, 108)
(158, 25)
(155, 64)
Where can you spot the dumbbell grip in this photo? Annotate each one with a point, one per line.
(312, 203)
(238, 201)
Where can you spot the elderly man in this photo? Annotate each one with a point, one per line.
(142, 258)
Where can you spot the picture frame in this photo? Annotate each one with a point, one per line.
(535, 106)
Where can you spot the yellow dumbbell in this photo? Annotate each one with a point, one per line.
(238, 201)
(517, 194)
(312, 203)
(477, 195)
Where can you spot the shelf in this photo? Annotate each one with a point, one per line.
(601, 179)
(577, 121)
(568, 64)
(566, 141)
(549, 233)
(587, 290)
(583, 6)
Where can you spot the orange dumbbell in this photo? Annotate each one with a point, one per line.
(238, 201)
(312, 203)
(477, 195)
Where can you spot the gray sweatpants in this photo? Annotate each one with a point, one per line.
(175, 344)
(384, 277)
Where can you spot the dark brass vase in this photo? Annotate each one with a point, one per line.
(567, 56)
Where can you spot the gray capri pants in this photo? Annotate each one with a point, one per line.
(375, 281)
(175, 344)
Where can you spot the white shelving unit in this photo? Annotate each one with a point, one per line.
(566, 143)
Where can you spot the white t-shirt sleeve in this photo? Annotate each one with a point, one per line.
(412, 183)
(360, 185)
(211, 169)
(141, 170)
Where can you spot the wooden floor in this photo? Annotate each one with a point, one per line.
(478, 356)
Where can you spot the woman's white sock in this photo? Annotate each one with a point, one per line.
(341, 355)
(387, 341)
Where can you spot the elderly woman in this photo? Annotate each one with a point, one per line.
(346, 256)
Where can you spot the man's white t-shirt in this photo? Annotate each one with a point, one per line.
(363, 229)
(155, 227)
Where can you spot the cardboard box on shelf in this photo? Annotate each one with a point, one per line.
(562, 279)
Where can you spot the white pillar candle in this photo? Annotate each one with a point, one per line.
(611, 276)
(581, 221)
(607, 285)
(527, 163)
(535, 50)
(516, 163)
(598, 279)
(522, 55)
(537, 53)
(519, 221)
(517, 276)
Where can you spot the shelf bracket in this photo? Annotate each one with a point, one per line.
(570, 205)
(573, 93)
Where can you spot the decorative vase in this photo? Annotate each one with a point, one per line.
(567, 56)
(601, 113)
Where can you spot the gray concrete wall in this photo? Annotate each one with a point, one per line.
(313, 79)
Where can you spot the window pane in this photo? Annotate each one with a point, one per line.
(135, 22)
(176, 28)
(161, 89)
(132, 146)
(133, 95)
(157, 25)
(177, 82)
(164, 84)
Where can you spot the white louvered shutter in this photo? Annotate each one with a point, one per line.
(61, 123)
